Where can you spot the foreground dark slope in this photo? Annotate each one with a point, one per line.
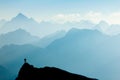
(86, 52)
(28, 72)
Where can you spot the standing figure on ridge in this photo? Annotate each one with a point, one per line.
(25, 60)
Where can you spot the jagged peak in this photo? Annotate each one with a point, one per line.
(19, 16)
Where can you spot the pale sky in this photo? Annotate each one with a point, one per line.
(63, 10)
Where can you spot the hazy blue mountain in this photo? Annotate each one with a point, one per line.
(20, 21)
(111, 30)
(2, 22)
(85, 24)
(45, 41)
(88, 52)
(19, 36)
(30, 25)
(5, 74)
(114, 29)
(45, 28)
(103, 27)
(85, 51)
(41, 29)
(11, 56)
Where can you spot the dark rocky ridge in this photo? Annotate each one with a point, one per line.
(28, 72)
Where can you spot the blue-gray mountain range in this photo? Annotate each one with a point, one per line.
(45, 28)
(87, 52)
(5, 74)
(30, 25)
(21, 37)
(18, 37)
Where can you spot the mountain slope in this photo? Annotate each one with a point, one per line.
(45, 41)
(90, 50)
(87, 52)
(5, 74)
(20, 21)
(105, 28)
(2, 22)
(17, 37)
(30, 25)
(28, 72)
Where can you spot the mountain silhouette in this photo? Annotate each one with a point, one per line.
(107, 29)
(5, 74)
(20, 17)
(19, 21)
(45, 41)
(28, 72)
(47, 27)
(86, 52)
(29, 24)
(18, 36)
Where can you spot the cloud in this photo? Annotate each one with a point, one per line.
(95, 17)
(114, 18)
(63, 18)
(76, 17)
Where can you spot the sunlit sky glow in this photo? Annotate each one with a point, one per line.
(62, 11)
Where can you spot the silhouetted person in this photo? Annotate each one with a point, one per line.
(25, 60)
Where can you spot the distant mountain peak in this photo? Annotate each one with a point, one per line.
(103, 23)
(102, 26)
(21, 30)
(20, 16)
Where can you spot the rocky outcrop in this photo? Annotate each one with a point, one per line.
(28, 72)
